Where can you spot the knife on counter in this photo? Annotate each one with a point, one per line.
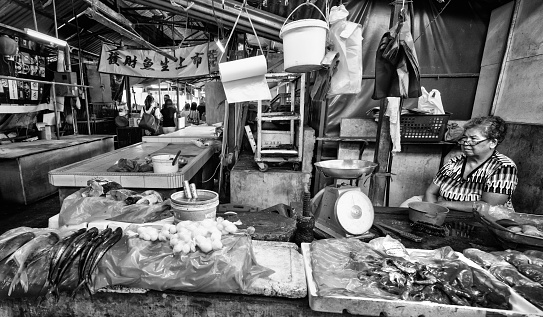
(401, 233)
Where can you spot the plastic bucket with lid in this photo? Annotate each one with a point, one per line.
(304, 43)
(162, 163)
(195, 209)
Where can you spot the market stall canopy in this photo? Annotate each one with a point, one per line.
(160, 22)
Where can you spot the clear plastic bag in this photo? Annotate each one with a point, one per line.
(133, 262)
(77, 209)
(347, 39)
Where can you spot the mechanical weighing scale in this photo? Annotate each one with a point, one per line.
(343, 210)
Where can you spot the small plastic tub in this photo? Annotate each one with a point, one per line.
(162, 164)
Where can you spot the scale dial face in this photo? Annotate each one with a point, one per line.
(354, 212)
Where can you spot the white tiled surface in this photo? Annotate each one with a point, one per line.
(63, 180)
(134, 181)
(77, 174)
(80, 180)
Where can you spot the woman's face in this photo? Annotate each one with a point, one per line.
(475, 143)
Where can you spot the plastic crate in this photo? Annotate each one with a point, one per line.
(423, 128)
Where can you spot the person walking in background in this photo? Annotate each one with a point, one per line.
(202, 109)
(194, 116)
(169, 115)
(166, 98)
(150, 108)
(185, 112)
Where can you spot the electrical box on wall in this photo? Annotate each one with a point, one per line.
(66, 78)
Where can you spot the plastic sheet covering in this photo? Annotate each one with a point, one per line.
(133, 262)
(379, 269)
(77, 209)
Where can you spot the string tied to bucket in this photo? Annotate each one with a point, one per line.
(242, 8)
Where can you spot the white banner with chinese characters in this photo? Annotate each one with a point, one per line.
(192, 61)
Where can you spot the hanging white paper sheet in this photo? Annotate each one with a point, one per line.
(245, 80)
(12, 89)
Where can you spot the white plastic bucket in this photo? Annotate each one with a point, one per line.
(162, 164)
(203, 207)
(304, 43)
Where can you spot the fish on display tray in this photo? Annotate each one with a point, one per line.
(394, 278)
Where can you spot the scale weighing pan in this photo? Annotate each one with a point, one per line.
(346, 169)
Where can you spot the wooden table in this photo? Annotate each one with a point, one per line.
(25, 165)
(75, 176)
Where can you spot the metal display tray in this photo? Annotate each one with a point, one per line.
(515, 240)
(383, 307)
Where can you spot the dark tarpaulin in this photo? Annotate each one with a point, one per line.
(452, 44)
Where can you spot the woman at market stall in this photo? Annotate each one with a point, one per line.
(480, 173)
(169, 116)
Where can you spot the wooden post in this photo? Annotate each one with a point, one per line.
(383, 145)
(128, 95)
(381, 156)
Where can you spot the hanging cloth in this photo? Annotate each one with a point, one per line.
(396, 66)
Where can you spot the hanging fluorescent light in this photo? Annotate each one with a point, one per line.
(45, 37)
(220, 46)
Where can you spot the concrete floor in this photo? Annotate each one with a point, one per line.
(35, 215)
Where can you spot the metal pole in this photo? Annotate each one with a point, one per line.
(159, 94)
(34, 15)
(128, 95)
(178, 97)
(54, 18)
(56, 111)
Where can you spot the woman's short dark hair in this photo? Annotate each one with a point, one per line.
(168, 102)
(193, 106)
(493, 127)
(187, 106)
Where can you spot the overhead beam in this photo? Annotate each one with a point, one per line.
(19, 32)
(111, 14)
(126, 33)
(266, 24)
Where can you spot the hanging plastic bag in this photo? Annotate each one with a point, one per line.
(430, 102)
(454, 132)
(347, 40)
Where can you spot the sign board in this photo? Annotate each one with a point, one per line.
(192, 61)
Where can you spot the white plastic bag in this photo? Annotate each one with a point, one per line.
(347, 39)
(430, 102)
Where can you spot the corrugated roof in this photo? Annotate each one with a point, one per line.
(153, 25)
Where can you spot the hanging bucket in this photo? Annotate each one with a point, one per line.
(194, 209)
(304, 43)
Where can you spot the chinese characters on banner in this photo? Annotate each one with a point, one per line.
(192, 61)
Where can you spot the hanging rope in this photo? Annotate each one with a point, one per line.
(435, 18)
(242, 8)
